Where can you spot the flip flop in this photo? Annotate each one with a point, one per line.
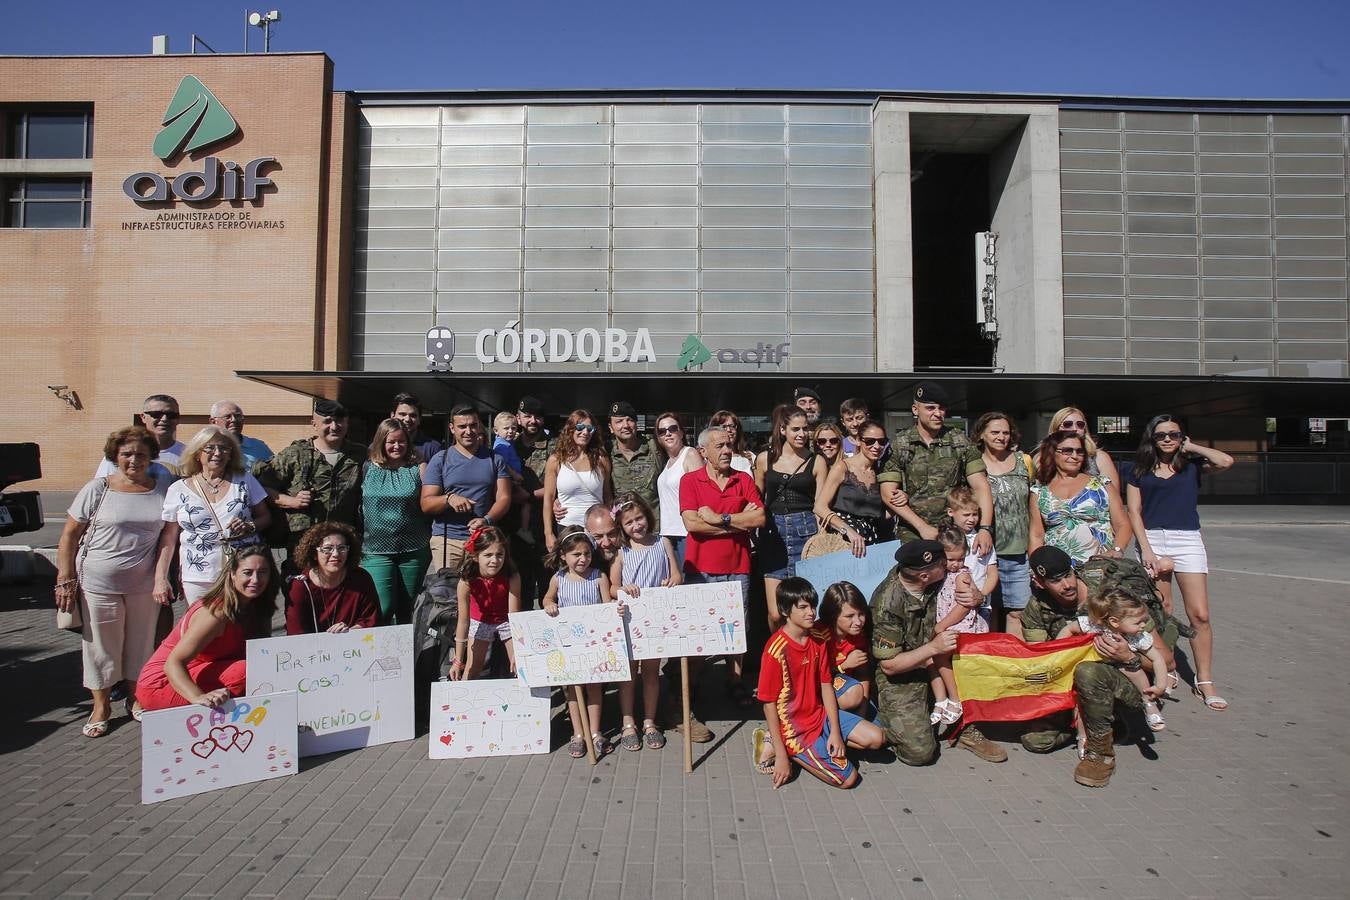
(95, 729)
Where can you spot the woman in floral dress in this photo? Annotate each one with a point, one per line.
(1071, 509)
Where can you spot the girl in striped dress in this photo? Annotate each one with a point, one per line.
(646, 560)
(577, 583)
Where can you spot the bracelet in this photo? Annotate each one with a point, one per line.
(68, 582)
(460, 640)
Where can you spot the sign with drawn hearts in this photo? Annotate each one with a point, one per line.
(580, 645)
(193, 749)
(497, 717)
(688, 620)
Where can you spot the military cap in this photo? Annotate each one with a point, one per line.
(799, 393)
(1050, 562)
(919, 554)
(622, 408)
(531, 406)
(930, 392)
(330, 409)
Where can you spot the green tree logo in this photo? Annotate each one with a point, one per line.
(194, 119)
(693, 353)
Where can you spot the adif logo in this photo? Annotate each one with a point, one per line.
(693, 352)
(194, 119)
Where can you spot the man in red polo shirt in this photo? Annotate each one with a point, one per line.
(720, 507)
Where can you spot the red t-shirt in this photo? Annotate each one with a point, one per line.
(790, 676)
(489, 599)
(353, 602)
(718, 554)
(839, 646)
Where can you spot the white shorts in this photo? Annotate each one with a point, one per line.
(1186, 548)
(483, 631)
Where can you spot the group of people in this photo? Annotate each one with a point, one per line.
(989, 539)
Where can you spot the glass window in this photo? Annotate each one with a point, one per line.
(46, 203)
(51, 134)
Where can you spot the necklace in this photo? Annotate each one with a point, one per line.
(213, 486)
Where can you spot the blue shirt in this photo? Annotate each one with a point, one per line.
(427, 447)
(1169, 503)
(507, 451)
(255, 451)
(474, 477)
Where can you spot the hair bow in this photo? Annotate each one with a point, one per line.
(471, 545)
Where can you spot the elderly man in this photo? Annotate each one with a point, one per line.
(720, 507)
(228, 415)
(906, 636)
(1057, 596)
(464, 487)
(159, 415)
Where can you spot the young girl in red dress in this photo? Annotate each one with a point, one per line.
(489, 590)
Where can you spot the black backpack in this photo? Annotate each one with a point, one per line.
(435, 613)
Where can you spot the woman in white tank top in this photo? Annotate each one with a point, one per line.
(577, 475)
(680, 460)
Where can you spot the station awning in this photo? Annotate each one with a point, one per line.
(972, 393)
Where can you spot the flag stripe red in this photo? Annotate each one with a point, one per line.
(1003, 644)
(1016, 709)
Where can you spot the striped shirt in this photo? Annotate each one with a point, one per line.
(646, 566)
(579, 593)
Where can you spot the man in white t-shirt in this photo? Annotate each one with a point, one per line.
(159, 415)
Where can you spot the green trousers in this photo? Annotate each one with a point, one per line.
(398, 580)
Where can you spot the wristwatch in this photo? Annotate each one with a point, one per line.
(1133, 666)
(726, 520)
(988, 528)
(487, 520)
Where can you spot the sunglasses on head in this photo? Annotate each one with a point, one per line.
(1073, 423)
(585, 427)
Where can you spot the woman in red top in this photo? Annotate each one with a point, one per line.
(202, 660)
(489, 591)
(334, 594)
(845, 625)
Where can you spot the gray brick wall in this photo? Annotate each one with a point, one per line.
(1204, 243)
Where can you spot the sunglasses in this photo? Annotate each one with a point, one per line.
(669, 429)
(160, 414)
(827, 442)
(871, 442)
(1167, 435)
(1073, 423)
(585, 427)
(1071, 451)
(338, 550)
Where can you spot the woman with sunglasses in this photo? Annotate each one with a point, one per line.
(742, 460)
(680, 460)
(1164, 491)
(1070, 508)
(849, 502)
(828, 440)
(1098, 462)
(332, 594)
(576, 476)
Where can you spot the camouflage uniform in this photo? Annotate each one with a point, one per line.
(534, 457)
(926, 472)
(902, 622)
(638, 473)
(336, 489)
(527, 556)
(1099, 685)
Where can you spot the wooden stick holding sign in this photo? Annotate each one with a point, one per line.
(684, 621)
(586, 717)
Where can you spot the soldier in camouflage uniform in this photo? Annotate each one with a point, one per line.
(905, 637)
(635, 460)
(533, 446)
(1058, 594)
(316, 479)
(925, 462)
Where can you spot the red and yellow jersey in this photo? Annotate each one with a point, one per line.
(790, 676)
(839, 646)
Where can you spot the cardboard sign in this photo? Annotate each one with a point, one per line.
(493, 717)
(689, 620)
(355, 689)
(580, 645)
(193, 749)
(866, 573)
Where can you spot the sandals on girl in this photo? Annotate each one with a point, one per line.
(576, 748)
(600, 744)
(945, 712)
(95, 729)
(1213, 701)
(1153, 716)
(1173, 680)
(653, 737)
(629, 739)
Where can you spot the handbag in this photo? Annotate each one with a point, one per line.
(73, 619)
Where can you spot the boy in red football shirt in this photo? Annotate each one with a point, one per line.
(796, 685)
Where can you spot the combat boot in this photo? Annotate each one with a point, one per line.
(973, 739)
(1098, 762)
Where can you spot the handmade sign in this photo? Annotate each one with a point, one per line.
(866, 573)
(193, 749)
(689, 620)
(490, 717)
(580, 645)
(355, 689)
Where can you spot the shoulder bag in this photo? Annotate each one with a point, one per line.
(73, 619)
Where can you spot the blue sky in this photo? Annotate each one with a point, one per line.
(1192, 48)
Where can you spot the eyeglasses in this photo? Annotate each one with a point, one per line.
(585, 427)
(1073, 423)
(827, 442)
(1071, 451)
(726, 426)
(215, 450)
(160, 414)
(335, 549)
(669, 429)
(872, 442)
(1167, 435)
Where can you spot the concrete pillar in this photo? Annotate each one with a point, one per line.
(894, 236)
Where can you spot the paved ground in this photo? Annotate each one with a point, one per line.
(1247, 803)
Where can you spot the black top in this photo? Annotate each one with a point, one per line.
(790, 493)
(857, 499)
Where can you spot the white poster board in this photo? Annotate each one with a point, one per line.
(688, 620)
(193, 749)
(355, 689)
(580, 645)
(487, 717)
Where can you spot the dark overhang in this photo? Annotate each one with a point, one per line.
(972, 392)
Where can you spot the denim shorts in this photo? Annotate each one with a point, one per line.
(780, 549)
(1014, 582)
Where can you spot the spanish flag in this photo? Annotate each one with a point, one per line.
(999, 678)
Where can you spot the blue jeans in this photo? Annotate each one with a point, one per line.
(781, 549)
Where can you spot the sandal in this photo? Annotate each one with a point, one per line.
(1153, 716)
(95, 729)
(576, 748)
(739, 695)
(134, 709)
(1173, 680)
(653, 737)
(759, 740)
(1213, 701)
(629, 739)
(951, 712)
(600, 744)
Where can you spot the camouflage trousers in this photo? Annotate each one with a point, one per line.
(1099, 686)
(902, 707)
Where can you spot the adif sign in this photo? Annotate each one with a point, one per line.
(557, 345)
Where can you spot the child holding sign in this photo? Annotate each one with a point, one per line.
(489, 590)
(578, 583)
(645, 560)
